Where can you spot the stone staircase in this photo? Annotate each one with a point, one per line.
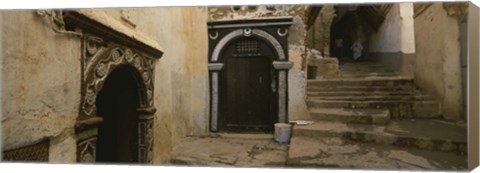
(369, 106)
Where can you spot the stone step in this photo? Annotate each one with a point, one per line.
(358, 88)
(365, 116)
(361, 93)
(394, 81)
(425, 134)
(374, 97)
(362, 75)
(334, 152)
(398, 108)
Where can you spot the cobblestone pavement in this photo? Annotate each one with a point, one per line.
(334, 152)
(248, 151)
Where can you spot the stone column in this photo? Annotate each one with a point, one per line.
(214, 68)
(282, 67)
(145, 134)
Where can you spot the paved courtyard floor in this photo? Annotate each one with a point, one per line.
(227, 150)
(260, 150)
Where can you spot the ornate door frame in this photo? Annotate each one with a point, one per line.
(104, 48)
(273, 31)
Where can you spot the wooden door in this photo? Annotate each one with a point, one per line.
(246, 90)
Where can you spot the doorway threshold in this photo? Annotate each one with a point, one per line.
(245, 135)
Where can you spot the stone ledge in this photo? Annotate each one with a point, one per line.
(215, 66)
(282, 65)
(104, 26)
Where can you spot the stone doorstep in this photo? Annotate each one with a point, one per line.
(363, 116)
(388, 83)
(343, 153)
(398, 108)
(366, 75)
(377, 134)
(358, 88)
(393, 81)
(369, 79)
(360, 93)
(375, 97)
(243, 135)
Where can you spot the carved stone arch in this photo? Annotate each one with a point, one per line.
(106, 45)
(264, 29)
(100, 61)
(268, 38)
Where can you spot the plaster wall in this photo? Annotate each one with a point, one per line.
(181, 78)
(40, 85)
(319, 33)
(296, 48)
(42, 70)
(473, 82)
(393, 43)
(438, 58)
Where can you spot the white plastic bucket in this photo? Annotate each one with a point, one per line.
(282, 132)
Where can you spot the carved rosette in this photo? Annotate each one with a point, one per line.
(99, 59)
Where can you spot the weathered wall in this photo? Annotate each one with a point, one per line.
(41, 83)
(473, 82)
(296, 48)
(1, 77)
(40, 86)
(393, 44)
(181, 78)
(319, 33)
(438, 58)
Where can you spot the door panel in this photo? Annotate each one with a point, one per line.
(248, 97)
(246, 91)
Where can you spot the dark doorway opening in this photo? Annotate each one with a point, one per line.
(117, 103)
(247, 91)
(342, 36)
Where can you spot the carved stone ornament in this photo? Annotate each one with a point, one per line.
(99, 59)
(145, 140)
(282, 34)
(213, 37)
(86, 150)
(247, 32)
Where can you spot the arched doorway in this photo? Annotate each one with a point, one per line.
(247, 88)
(117, 104)
(107, 52)
(248, 64)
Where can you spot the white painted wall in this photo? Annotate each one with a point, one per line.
(407, 29)
(396, 34)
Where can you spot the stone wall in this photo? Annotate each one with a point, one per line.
(473, 83)
(393, 44)
(438, 71)
(41, 78)
(296, 48)
(319, 33)
(40, 85)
